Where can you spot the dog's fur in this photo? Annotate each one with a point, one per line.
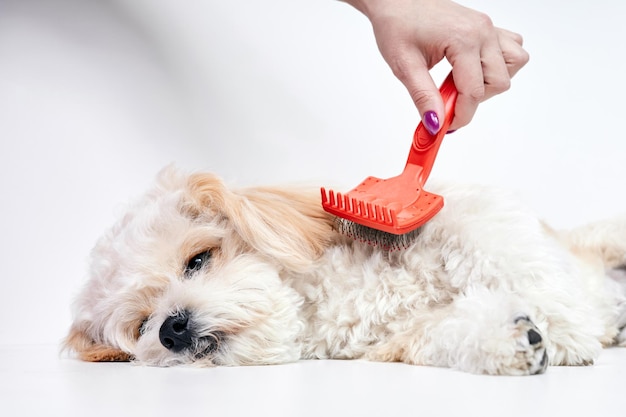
(485, 287)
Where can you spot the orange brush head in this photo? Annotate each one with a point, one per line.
(397, 205)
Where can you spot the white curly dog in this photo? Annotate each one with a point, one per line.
(197, 273)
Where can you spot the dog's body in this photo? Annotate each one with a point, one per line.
(197, 273)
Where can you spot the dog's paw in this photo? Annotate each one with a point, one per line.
(531, 357)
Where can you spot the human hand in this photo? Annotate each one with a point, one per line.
(414, 35)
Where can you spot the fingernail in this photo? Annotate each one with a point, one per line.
(431, 122)
(450, 131)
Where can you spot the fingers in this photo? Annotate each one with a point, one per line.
(481, 70)
(501, 57)
(513, 53)
(468, 75)
(423, 91)
(510, 57)
(414, 35)
(425, 95)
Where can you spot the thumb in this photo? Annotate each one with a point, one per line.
(426, 96)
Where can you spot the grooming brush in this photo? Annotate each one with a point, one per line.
(388, 212)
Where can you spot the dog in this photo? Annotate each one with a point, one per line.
(197, 273)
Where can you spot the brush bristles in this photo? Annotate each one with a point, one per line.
(384, 240)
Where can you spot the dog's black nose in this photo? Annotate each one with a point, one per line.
(176, 333)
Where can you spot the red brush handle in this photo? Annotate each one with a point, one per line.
(425, 146)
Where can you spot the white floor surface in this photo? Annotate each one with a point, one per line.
(36, 381)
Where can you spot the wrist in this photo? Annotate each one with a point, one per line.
(378, 8)
(360, 5)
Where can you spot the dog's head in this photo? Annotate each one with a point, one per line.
(192, 273)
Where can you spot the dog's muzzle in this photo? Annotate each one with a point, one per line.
(178, 334)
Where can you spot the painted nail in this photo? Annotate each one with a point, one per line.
(431, 122)
(450, 131)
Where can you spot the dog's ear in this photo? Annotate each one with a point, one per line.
(206, 192)
(288, 225)
(87, 349)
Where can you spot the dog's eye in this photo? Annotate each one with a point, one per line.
(197, 262)
(142, 327)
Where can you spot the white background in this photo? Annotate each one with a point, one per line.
(97, 96)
